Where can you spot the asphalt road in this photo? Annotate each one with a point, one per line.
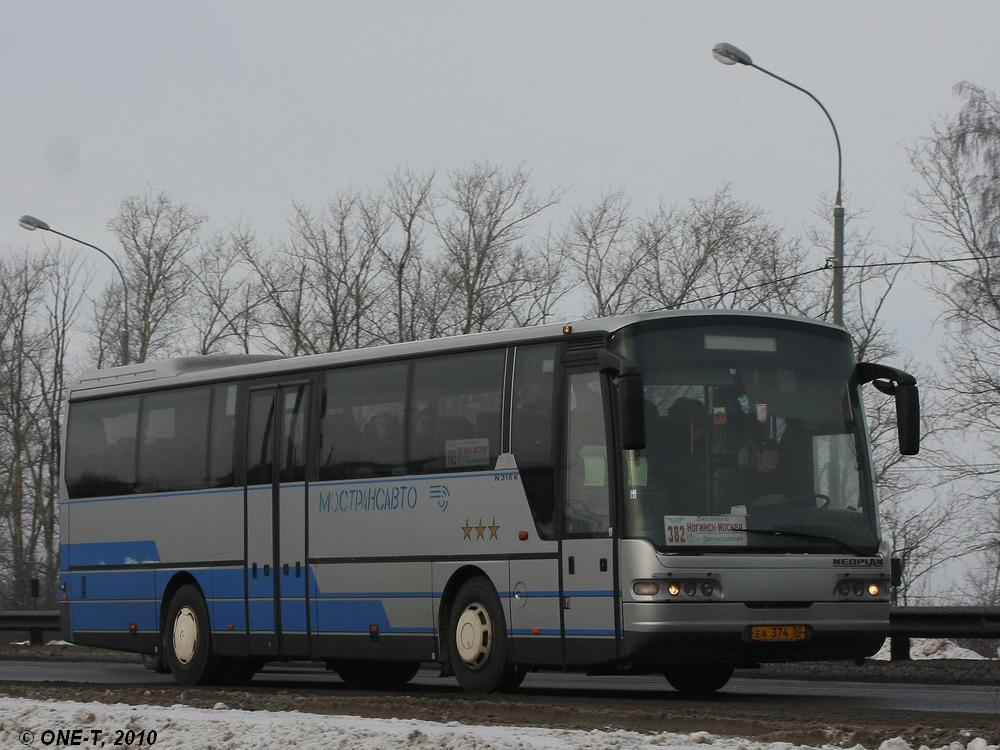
(743, 693)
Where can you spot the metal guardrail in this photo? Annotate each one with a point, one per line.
(34, 621)
(904, 622)
(945, 622)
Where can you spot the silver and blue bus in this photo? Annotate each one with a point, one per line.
(679, 493)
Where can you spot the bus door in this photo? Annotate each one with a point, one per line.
(588, 562)
(276, 516)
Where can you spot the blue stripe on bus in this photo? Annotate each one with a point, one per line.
(134, 596)
(378, 595)
(597, 593)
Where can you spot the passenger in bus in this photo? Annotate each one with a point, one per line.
(381, 444)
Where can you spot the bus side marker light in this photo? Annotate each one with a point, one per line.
(536, 631)
(522, 535)
(229, 627)
(567, 328)
(133, 628)
(373, 631)
(645, 588)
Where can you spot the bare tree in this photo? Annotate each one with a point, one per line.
(958, 205)
(65, 279)
(225, 299)
(33, 338)
(602, 249)
(716, 252)
(395, 225)
(484, 264)
(157, 233)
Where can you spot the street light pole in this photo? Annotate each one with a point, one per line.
(728, 54)
(31, 224)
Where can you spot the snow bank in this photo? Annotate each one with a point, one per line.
(23, 722)
(931, 648)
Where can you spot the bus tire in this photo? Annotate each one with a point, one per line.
(698, 679)
(187, 638)
(477, 636)
(376, 675)
(512, 679)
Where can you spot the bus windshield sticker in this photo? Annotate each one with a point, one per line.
(762, 413)
(706, 531)
(469, 452)
(595, 469)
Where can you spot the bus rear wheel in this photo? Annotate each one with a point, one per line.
(376, 675)
(187, 638)
(477, 636)
(698, 679)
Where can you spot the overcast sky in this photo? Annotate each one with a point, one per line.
(239, 107)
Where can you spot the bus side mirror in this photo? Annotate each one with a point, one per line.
(631, 410)
(896, 571)
(903, 387)
(908, 419)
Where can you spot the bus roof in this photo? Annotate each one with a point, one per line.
(218, 367)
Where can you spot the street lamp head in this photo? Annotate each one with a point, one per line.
(728, 54)
(31, 223)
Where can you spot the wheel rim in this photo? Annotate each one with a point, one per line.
(474, 635)
(185, 635)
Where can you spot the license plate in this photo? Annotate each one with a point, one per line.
(778, 632)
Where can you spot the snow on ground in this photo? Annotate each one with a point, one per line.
(26, 722)
(931, 648)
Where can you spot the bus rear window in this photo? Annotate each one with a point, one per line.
(100, 451)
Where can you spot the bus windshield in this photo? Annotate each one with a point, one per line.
(754, 441)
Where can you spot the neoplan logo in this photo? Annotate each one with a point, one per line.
(857, 562)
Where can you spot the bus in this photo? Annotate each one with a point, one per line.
(679, 493)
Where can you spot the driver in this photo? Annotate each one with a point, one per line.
(765, 483)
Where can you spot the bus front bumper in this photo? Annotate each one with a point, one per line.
(670, 633)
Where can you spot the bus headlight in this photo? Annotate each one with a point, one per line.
(674, 589)
(874, 589)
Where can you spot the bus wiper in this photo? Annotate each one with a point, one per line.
(814, 537)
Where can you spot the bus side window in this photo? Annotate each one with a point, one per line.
(220, 449)
(173, 450)
(361, 424)
(101, 450)
(587, 497)
(531, 431)
(455, 412)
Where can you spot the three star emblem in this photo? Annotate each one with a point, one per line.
(480, 529)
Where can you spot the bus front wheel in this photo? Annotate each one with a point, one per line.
(187, 639)
(478, 638)
(698, 679)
